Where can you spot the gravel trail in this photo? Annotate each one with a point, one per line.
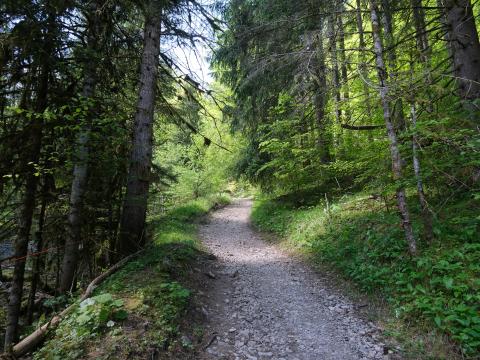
(264, 304)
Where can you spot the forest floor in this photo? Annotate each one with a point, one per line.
(264, 303)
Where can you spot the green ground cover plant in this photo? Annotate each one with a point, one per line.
(148, 293)
(361, 238)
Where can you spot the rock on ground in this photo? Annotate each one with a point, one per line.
(264, 304)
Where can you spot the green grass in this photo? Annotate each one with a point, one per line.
(141, 307)
(359, 237)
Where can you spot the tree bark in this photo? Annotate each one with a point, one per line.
(21, 241)
(420, 30)
(79, 181)
(396, 105)
(424, 50)
(363, 48)
(392, 136)
(320, 99)
(132, 228)
(37, 263)
(80, 168)
(426, 214)
(27, 207)
(335, 70)
(343, 65)
(465, 46)
(423, 46)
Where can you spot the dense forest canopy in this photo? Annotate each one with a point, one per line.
(335, 91)
(87, 89)
(378, 97)
(102, 125)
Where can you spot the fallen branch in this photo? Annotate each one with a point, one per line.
(362, 127)
(30, 343)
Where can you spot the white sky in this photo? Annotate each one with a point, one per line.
(194, 60)
(194, 63)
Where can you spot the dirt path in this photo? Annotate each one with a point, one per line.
(263, 304)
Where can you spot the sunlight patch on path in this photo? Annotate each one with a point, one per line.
(266, 305)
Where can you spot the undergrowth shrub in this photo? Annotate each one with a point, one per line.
(90, 318)
(152, 282)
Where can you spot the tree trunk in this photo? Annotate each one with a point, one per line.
(27, 207)
(392, 136)
(320, 99)
(396, 105)
(424, 50)
(423, 47)
(363, 66)
(37, 263)
(24, 224)
(21, 242)
(465, 46)
(335, 71)
(420, 30)
(132, 228)
(79, 181)
(426, 214)
(80, 168)
(343, 66)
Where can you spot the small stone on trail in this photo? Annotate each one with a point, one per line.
(278, 309)
(186, 341)
(211, 275)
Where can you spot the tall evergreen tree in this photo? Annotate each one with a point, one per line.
(132, 228)
(42, 20)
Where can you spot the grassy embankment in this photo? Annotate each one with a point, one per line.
(437, 292)
(138, 312)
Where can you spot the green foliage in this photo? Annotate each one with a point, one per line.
(200, 158)
(301, 147)
(169, 301)
(148, 287)
(440, 288)
(56, 303)
(91, 318)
